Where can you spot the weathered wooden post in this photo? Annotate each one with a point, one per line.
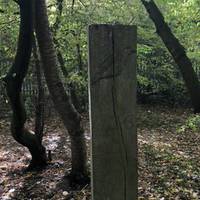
(112, 74)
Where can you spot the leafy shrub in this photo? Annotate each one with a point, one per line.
(159, 80)
(192, 124)
(77, 85)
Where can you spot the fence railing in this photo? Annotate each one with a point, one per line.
(29, 92)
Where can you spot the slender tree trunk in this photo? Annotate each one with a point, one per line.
(62, 102)
(39, 111)
(59, 10)
(55, 28)
(177, 51)
(79, 58)
(14, 80)
(62, 63)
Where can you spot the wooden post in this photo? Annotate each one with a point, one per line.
(112, 88)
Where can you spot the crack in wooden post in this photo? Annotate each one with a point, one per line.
(117, 120)
(112, 91)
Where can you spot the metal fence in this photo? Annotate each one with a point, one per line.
(29, 92)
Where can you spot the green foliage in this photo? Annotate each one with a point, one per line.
(78, 84)
(158, 75)
(157, 72)
(192, 124)
(9, 21)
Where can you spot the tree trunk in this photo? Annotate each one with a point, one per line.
(62, 102)
(177, 51)
(79, 58)
(55, 28)
(14, 80)
(39, 110)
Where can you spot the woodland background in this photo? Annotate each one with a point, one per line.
(168, 130)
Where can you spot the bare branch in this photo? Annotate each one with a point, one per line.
(73, 2)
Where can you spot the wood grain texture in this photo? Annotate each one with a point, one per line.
(112, 86)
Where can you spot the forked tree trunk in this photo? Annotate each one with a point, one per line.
(177, 51)
(14, 80)
(69, 115)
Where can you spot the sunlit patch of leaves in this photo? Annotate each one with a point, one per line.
(192, 123)
(169, 164)
(172, 174)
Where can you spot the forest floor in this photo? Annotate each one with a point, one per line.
(169, 160)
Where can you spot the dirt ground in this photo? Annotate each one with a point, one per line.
(169, 160)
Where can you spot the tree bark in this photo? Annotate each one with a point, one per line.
(79, 58)
(177, 51)
(62, 102)
(55, 28)
(14, 80)
(40, 104)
